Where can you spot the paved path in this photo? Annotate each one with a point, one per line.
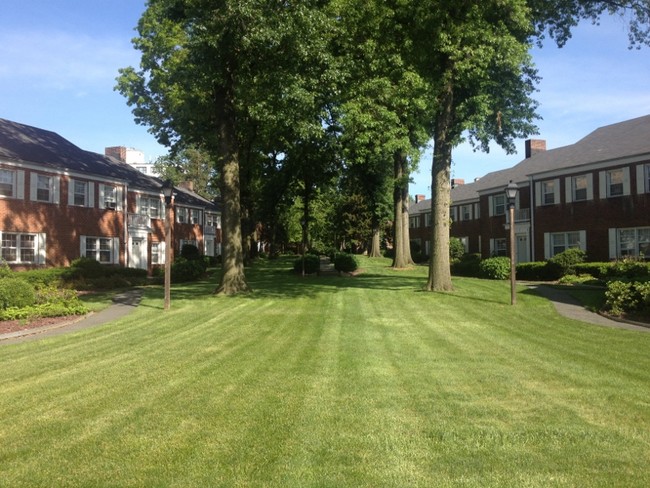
(123, 304)
(569, 307)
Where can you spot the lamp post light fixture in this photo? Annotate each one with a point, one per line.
(168, 190)
(511, 196)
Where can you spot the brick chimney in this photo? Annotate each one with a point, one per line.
(419, 198)
(456, 182)
(188, 185)
(118, 152)
(534, 146)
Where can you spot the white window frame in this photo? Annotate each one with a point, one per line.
(639, 245)
(36, 247)
(101, 244)
(548, 192)
(194, 216)
(643, 178)
(150, 206)
(428, 221)
(499, 247)
(498, 205)
(41, 182)
(414, 222)
(605, 182)
(15, 178)
(466, 212)
(88, 195)
(570, 239)
(158, 252)
(580, 188)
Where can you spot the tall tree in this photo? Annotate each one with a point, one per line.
(190, 164)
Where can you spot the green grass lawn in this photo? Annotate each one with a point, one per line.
(331, 382)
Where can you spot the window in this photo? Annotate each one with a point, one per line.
(579, 186)
(102, 249)
(428, 221)
(80, 193)
(414, 222)
(498, 205)
(195, 216)
(466, 212)
(7, 183)
(647, 178)
(562, 241)
(110, 196)
(499, 247)
(548, 192)
(477, 210)
(181, 215)
(615, 183)
(156, 253)
(43, 188)
(150, 206)
(634, 242)
(23, 248)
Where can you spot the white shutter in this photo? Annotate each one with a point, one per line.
(556, 191)
(590, 186)
(82, 246)
(138, 203)
(119, 195)
(102, 192)
(626, 181)
(20, 185)
(40, 248)
(33, 185)
(55, 183)
(547, 245)
(161, 252)
(582, 239)
(491, 247)
(538, 193)
(116, 250)
(602, 185)
(91, 194)
(490, 209)
(71, 191)
(568, 189)
(640, 179)
(613, 247)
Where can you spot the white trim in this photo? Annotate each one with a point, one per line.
(538, 193)
(40, 253)
(20, 184)
(613, 243)
(568, 189)
(640, 179)
(602, 185)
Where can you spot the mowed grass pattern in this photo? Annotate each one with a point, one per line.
(330, 381)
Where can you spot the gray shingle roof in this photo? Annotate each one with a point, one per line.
(23, 143)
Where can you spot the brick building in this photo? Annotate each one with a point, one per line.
(59, 202)
(594, 194)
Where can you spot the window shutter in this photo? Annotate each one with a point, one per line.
(640, 179)
(82, 246)
(116, 250)
(138, 203)
(568, 189)
(20, 184)
(71, 191)
(33, 182)
(556, 191)
(91, 194)
(490, 208)
(590, 186)
(547, 245)
(56, 186)
(491, 247)
(119, 195)
(602, 185)
(613, 247)
(161, 252)
(582, 239)
(102, 192)
(538, 193)
(626, 181)
(40, 248)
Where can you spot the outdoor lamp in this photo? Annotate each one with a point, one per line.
(511, 195)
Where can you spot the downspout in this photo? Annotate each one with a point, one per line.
(532, 218)
(125, 210)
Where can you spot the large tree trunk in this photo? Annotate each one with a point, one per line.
(401, 241)
(439, 271)
(375, 246)
(233, 279)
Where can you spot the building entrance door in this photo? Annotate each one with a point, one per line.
(522, 248)
(139, 252)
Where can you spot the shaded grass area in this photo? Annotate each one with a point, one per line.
(330, 381)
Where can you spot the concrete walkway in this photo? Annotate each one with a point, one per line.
(123, 304)
(569, 307)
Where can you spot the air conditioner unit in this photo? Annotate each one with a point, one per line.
(110, 205)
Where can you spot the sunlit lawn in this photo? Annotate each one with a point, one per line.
(330, 381)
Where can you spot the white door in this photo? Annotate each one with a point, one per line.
(139, 253)
(522, 248)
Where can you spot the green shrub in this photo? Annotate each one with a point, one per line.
(312, 264)
(15, 292)
(86, 268)
(628, 268)
(187, 270)
(456, 248)
(5, 270)
(497, 268)
(345, 263)
(566, 260)
(190, 252)
(596, 269)
(532, 271)
(628, 296)
(43, 277)
(43, 310)
(572, 279)
(467, 265)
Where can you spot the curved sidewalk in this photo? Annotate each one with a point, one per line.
(569, 307)
(123, 304)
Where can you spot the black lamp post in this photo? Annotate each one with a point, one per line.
(168, 190)
(511, 195)
(303, 223)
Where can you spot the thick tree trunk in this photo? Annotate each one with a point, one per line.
(401, 241)
(375, 246)
(439, 271)
(233, 279)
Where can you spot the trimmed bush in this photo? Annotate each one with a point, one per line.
(628, 297)
(497, 268)
(468, 265)
(17, 293)
(190, 252)
(566, 260)
(628, 268)
(345, 263)
(312, 264)
(595, 269)
(456, 248)
(86, 268)
(187, 270)
(533, 271)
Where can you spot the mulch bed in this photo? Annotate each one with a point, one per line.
(7, 326)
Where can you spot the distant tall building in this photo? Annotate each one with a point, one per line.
(132, 157)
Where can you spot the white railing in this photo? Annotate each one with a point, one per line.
(521, 215)
(209, 230)
(138, 220)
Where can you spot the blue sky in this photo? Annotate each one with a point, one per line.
(59, 60)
